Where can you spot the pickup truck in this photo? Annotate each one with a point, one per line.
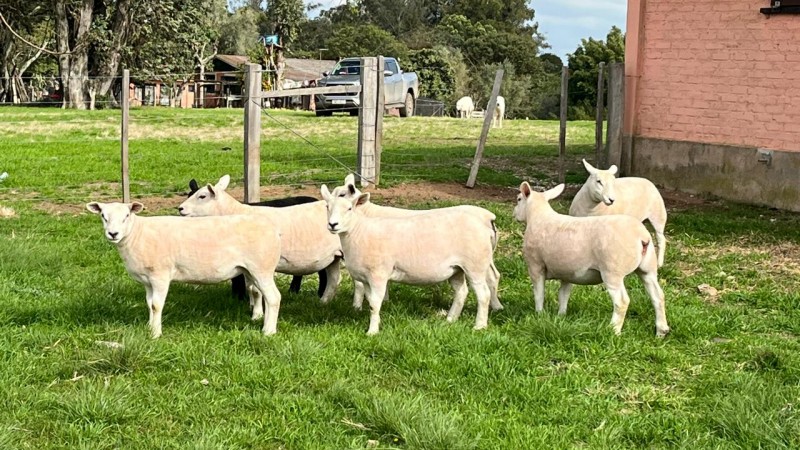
(401, 88)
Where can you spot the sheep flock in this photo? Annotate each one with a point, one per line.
(215, 238)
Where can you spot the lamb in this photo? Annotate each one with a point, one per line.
(499, 112)
(419, 250)
(587, 250)
(306, 246)
(464, 107)
(237, 284)
(369, 209)
(158, 250)
(602, 194)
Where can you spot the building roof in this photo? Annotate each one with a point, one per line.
(306, 69)
(235, 61)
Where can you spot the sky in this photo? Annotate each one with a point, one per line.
(563, 22)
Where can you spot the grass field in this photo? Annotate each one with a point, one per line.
(728, 376)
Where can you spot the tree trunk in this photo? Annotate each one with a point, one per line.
(110, 65)
(74, 65)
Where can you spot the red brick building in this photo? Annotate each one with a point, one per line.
(712, 98)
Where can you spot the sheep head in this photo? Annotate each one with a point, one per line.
(528, 199)
(207, 200)
(601, 184)
(341, 209)
(117, 218)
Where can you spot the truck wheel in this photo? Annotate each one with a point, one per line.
(354, 112)
(408, 107)
(324, 113)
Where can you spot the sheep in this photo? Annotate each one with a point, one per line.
(465, 106)
(421, 249)
(587, 250)
(369, 209)
(158, 250)
(499, 112)
(306, 246)
(237, 284)
(602, 194)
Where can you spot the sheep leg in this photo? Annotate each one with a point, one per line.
(376, 289)
(156, 296)
(650, 281)
(265, 283)
(323, 282)
(537, 278)
(332, 281)
(563, 297)
(294, 287)
(483, 295)
(493, 280)
(661, 241)
(256, 301)
(460, 291)
(358, 294)
(620, 299)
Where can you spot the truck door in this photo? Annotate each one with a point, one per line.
(393, 84)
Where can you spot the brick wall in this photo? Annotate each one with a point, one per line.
(718, 72)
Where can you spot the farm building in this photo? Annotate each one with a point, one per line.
(712, 98)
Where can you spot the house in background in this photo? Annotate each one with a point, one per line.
(712, 98)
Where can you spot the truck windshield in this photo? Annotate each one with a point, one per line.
(352, 67)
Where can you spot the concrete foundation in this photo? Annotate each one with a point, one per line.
(729, 172)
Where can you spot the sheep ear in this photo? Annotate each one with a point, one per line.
(326, 194)
(362, 199)
(589, 168)
(223, 182)
(555, 192)
(136, 207)
(193, 185)
(211, 190)
(351, 188)
(95, 207)
(350, 179)
(612, 170)
(525, 189)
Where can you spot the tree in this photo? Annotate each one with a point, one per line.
(584, 67)
(364, 40)
(436, 69)
(22, 47)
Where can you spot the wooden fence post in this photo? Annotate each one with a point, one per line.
(365, 166)
(616, 109)
(599, 159)
(126, 104)
(562, 130)
(487, 122)
(252, 133)
(380, 93)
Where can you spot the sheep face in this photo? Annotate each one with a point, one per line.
(348, 190)
(117, 218)
(204, 201)
(341, 210)
(601, 184)
(528, 199)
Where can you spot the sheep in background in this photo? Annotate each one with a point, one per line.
(603, 194)
(418, 250)
(499, 112)
(587, 250)
(158, 250)
(238, 287)
(465, 106)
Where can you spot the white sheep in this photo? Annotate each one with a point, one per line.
(158, 250)
(603, 194)
(587, 250)
(465, 106)
(369, 209)
(499, 112)
(423, 249)
(306, 246)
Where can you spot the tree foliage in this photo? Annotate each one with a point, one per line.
(583, 68)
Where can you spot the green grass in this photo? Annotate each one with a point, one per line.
(726, 377)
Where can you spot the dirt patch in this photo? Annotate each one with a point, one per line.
(6, 212)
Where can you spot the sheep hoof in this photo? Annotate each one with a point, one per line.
(662, 333)
(257, 317)
(480, 327)
(269, 332)
(497, 306)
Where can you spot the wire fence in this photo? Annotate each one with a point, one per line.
(70, 157)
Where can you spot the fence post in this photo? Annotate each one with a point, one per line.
(487, 122)
(365, 166)
(379, 110)
(599, 159)
(616, 109)
(126, 115)
(252, 133)
(562, 129)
